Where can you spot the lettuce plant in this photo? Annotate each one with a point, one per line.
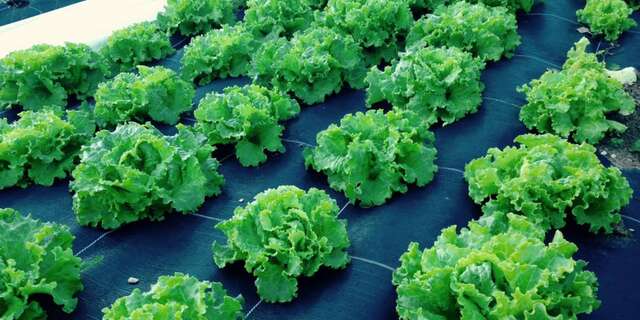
(574, 102)
(36, 258)
(136, 173)
(499, 267)
(179, 296)
(439, 84)
(278, 17)
(376, 25)
(46, 75)
(285, 233)
(511, 5)
(372, 155)
(608, 17)
(41, 146)
(546, 178)
(137, 44)
(220, 53)
(314, 64)
(193, 17)
(487, 32)
(157, 93)
(247, 116)
(635, 147)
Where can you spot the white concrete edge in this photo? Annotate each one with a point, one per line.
(90, 22)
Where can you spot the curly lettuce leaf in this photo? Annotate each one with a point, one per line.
(372, 155)
(36, 258)
(157, 93)
(220, 53)
(635, 4)
(41, 146)
(635, 147)
(574, 102)
(608, 17)
(546, 178)
(137, 44)
(278, 17)
(511, 5)
(45, 75)
(285, 233)
(178, 296)
(314, 64)
(194, 17)
(499, 267)
(486, 32)
(438, 84)
(136, 173)
(377, 26)
(247, 116)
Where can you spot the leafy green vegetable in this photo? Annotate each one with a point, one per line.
(635, 4)
(497, 268)
(41, 146)
(278, 17)
(240, 4)
(177, 297)
(283, 234)
(369, 156)
(193, 17)
(247, 116)
(35, 259)
(574, 102)
(314, 64)
(436, 83)
(45, 75)
(155, 92)
(608, 17)
(617, 142)
(545, 179)
(376, 25)
(137, 44)
(136, 173)
(511, 5)
(636, 146)
(220, 53)
(487, 32)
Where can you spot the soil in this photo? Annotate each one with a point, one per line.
(618, 148)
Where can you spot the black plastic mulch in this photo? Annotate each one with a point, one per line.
(16, 10)
(379, 235)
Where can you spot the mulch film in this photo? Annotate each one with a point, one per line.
(379, 235)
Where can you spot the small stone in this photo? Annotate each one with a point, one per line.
(613, 156)
(133, 280)
(632, 229)
(584, 30)
(241, 200)
(604, 153)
